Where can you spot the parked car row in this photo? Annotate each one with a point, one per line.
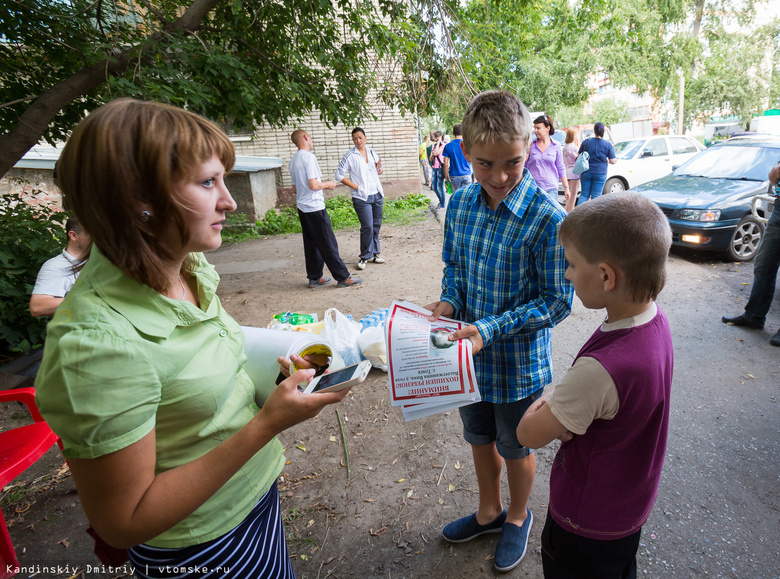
(706, 193)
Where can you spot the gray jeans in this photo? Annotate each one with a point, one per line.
(369, 214)
(460, 181)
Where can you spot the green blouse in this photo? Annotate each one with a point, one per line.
(121, 359)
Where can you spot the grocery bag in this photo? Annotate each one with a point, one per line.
(343, 335)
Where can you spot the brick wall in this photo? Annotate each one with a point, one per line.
(35, 185)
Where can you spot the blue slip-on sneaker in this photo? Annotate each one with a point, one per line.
(467, 528)
(512, 544)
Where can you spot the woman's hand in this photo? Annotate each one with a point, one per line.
(318, 362)
(288, 405)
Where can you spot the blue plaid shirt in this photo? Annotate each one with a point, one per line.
(504, 272)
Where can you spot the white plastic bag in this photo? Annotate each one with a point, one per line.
(374, 347)
(343, 335)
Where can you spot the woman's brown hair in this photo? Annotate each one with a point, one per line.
(118, 172)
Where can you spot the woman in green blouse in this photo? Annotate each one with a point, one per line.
(142, 374)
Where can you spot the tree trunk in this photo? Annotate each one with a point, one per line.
(31, 125)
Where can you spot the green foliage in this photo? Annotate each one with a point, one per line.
(283, 221)
(609, 111)
(342, 215)
(729, 78)
(544, 51)
(31, 234)
(566, 116)
(405, 209)
(243, 62)
(772, 32)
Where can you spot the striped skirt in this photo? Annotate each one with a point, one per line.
(255, 549)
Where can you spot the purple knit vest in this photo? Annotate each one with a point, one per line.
(603, 483)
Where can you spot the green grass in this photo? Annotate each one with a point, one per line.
(400, 211)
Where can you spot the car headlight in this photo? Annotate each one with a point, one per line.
(698, 214)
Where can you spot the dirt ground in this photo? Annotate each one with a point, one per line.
(717, 513)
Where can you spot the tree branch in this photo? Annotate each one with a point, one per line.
(17, 101)
(32, 124)
(157, 14)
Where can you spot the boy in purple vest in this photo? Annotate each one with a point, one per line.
(612, 407)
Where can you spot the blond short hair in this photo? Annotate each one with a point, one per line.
(571, 134)
(626, 230)
(496, 116)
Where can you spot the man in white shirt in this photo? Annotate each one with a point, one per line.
(319, 242)
(57, 275)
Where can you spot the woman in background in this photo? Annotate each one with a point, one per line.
(142, 374)
(601, 153)
(545, 159)
(364, 167)
(437, 162)
(569, 158)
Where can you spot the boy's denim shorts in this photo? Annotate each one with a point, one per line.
(487, 422)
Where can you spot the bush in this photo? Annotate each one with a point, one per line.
(340, 209)
(31, 234)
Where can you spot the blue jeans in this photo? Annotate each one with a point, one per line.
(438, 185)
(592, 186)
(553, 193)
(765, 266)
(369, 214)
(458, 181)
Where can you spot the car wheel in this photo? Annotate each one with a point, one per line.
(746, 239)
(613, 185)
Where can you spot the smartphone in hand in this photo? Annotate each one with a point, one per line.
(339, 379)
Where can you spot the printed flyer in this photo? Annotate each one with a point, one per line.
(427, 372)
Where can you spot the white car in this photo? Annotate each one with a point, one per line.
(648, 158)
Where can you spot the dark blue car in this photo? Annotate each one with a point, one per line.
(707, 199)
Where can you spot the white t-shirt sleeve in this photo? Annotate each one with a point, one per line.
(586, 393)
(312, 168)
(55, 278)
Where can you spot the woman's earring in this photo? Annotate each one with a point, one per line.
(145, 215)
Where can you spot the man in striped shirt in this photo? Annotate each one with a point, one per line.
(504, 273)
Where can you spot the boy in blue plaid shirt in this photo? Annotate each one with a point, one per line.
(504, 273)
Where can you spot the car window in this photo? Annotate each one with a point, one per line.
(656, 148)
(732, 162)
(681, 145)
(586, 134)
(627, 149)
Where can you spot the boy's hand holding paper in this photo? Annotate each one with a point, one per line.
(471, 332)
(429, 372)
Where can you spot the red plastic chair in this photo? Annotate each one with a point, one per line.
(19, 448)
